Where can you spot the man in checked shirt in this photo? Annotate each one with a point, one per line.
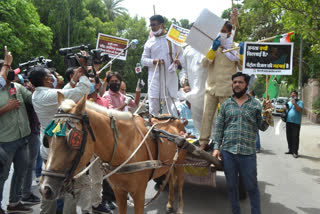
(239, 118)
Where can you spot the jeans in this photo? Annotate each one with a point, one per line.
(18, 154)
(258, 146)
(246, 166)
(38, 169)
(293, 134)
(33, 147)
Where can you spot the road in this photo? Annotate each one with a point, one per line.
(287, 185)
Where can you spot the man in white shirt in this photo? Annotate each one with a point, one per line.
(158, 50)
(45, 104)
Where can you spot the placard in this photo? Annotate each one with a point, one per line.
(112, 45)
(204, 31)
(177, 34)
(268, 58)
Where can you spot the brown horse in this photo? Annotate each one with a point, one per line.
(62, 156)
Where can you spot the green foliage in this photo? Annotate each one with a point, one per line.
(22, 31)
(113, 8)
(316, 103)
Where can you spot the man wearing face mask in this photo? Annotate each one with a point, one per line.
(293, 123)
(158, 50)
(221, 66)
(14, 135)
(45, 103)
(239, 119)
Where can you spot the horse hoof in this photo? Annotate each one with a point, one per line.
(170, 210)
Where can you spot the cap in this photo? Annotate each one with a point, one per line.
(16, 71)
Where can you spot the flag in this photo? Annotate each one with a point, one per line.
(275, 81)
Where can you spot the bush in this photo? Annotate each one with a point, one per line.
(316, 104)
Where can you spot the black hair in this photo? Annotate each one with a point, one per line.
(157, 18)
(246, 77)
(111, 74)
(294, 91)
(37, 75)
(97, 80)
(228, 26)
(69, 72)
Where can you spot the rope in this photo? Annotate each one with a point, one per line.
(135, 151)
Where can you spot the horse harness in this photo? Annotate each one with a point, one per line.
(77, 139)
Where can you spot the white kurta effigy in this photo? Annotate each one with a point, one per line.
(158, 48)
(197, 76)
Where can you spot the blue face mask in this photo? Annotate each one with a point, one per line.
(55, 81)
(92, 88)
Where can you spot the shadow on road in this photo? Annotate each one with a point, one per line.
(267, 152)
(309, 171)
(309, 158)
(209, 200)
(310, 210)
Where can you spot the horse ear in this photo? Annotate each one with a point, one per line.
(61, 98)
(81, 106)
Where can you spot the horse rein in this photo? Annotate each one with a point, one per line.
(84, 119)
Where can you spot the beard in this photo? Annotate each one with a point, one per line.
(240, 93)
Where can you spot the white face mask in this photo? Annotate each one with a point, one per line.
(223, 36)
(158, 32)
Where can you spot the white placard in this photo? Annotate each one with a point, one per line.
(204, 31)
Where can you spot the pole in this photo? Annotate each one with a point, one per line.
(300, 68)
(69, 27)
(154, 10)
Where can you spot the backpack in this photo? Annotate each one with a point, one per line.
(284, 114)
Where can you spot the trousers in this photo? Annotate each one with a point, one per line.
(293, 136)
(246, 166)
(210, 108)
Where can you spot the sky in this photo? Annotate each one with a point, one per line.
(179, 9)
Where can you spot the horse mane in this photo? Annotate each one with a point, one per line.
(68, 104)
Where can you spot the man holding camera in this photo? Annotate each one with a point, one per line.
(14, 135)
(294, 116)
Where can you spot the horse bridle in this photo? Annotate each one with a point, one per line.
(84, 119)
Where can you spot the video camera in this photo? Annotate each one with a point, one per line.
(36, 61)
(94, 56)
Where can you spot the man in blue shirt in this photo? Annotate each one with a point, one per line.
(294, 116)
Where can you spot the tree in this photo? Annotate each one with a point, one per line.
(22, 31)
(113, 8)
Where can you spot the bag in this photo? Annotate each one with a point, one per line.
(285, 114)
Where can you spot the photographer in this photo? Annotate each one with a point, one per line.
(294, 116)
(14, 135)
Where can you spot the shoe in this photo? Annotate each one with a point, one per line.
(2, 211)
(102, 208)
(295, 155)
(288, 153)
(257, 150)
(111, 205)
(19, 208)
(32, 200)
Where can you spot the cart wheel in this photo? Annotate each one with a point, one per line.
(242, 190)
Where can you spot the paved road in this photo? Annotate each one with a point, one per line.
(287, 185)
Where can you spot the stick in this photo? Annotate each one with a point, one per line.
(267, 85)
(154, 10)
(263, 40)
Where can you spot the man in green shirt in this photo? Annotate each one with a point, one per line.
(14, 136)
(239, 118)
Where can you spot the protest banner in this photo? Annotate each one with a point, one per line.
(112, 45)
(177, 35)
(205, 29)
(268, 58)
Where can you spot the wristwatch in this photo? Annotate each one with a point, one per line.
(73, 82)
